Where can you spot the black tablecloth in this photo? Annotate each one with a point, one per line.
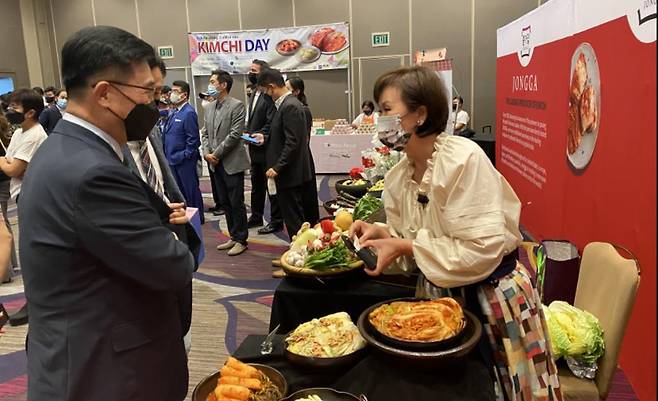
(298, 300)
(381, 378)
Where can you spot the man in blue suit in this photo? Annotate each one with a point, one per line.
(181, 144)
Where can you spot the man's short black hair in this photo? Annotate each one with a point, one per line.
(460, 100)
(38, 90)
(222, 77)
(271, 76)
(98, 49)
(165, 89)
(156, 61)
(29, 100)
(185, 87)
(261, 63)
(50, 89)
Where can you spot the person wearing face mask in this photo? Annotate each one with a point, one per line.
(460, 118)
(102, 269)
(224, 150)
(287, 150)
(164, 106)
(146, 159)
(24, 109)
(450, 214)
(181, 144)
(368, 114)
(52, 114)
(5, 180)
(206, 99)
(260, 110)
(49, 95)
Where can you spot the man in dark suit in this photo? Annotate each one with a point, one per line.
(181, 144)
(102, 271)
(146, 160)
(287, 151)
(51, 115)
(259, 113)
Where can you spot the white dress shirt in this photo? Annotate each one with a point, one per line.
(280, 100)
(470, 222)
(134, 148)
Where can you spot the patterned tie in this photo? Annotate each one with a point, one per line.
(149, 171)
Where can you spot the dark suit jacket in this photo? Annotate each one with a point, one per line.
(49, 118)
(259, 121)
(287, 148)
(101, 274)
(181, 136)
(185, 233)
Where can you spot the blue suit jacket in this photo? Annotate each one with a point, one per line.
(181, 136)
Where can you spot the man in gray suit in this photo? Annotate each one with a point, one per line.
(224, 150)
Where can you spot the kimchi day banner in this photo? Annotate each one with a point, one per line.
(304, 48)
(576, 138)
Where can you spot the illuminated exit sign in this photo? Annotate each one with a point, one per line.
(381, 39)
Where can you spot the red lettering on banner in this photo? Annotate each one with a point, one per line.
(213, 47)
(203, 47)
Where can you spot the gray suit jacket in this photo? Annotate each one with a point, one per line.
(221, 134)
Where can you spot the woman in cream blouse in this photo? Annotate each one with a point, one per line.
(453, 216)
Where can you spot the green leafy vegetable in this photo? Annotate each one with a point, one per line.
(365, 207)
(334, 255)
(574, 332)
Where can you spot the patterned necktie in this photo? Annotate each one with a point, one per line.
(149, 171)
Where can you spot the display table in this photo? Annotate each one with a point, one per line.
(381, 378)
(338, 154)
(298, 300)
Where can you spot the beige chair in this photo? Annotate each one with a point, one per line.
(607, 285)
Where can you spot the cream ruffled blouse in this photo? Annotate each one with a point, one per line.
(470, 222)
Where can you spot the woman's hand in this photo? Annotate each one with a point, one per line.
(388, 250)
(365, 231)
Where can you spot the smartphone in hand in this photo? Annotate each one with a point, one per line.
(248, 138)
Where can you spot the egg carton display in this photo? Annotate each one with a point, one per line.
(366, 129)
(341, 129)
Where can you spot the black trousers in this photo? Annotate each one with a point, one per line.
(292, 208)
(230, 188)
(213, 185)
(258, 191)
(310, 201)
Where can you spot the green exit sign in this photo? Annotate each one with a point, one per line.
(380, 39)
(166, 52)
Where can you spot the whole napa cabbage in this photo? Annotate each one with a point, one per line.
(574, 333)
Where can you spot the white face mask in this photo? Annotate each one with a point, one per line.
(175, 97)
(391, 133)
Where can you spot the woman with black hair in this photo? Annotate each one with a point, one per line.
(368, 114)
(309, 191)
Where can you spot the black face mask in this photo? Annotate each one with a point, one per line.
(454, 107)
(253, 78)
(15, 117)
(367, 112)
(50, 99)
(141, 119)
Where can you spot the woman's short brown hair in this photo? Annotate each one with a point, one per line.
(419, 86)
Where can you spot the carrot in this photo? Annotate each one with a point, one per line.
(223, 398)
(232, 391)
(253, 384)
(235, 364)
(229, 371)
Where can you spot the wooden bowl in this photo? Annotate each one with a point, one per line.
(306, 272)
(209, 383)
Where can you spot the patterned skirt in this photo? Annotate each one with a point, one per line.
(523, 366)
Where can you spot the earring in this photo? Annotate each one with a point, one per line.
(420, 122)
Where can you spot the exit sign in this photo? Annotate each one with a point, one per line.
(166, 52)
(381, 39)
